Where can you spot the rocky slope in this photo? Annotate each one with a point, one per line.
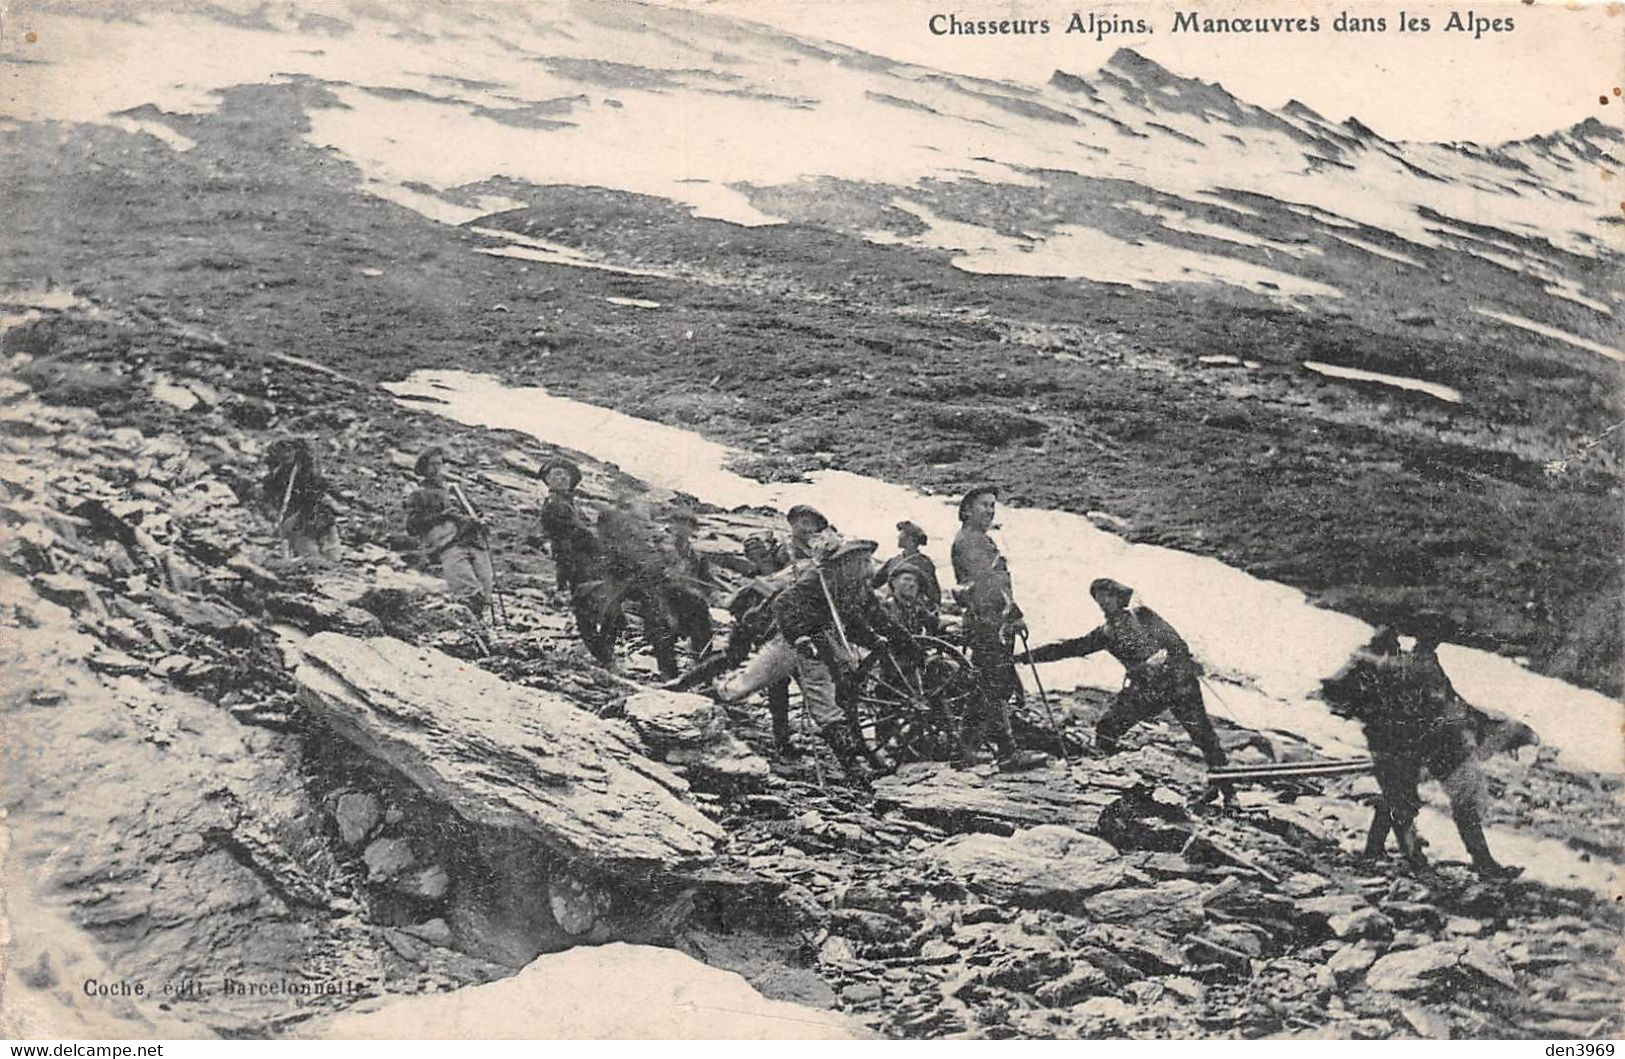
(220, 763)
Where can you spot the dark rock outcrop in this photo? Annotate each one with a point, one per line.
(503, 756)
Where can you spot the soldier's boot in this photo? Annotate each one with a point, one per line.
(1018, 760)
(1011, 757)
(784, 745)
(665, 652)
(970, 753)
(1472, 836)
(1220, 792)
(478, 606)
(1410, 844)
(778, 707)
(841, 741)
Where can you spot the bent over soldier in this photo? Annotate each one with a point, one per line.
(1414, 720)
(1159, 672)
(752, 613)
(819, 618)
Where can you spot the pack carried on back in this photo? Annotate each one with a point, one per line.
(829, 595)
(292, 487)
(1403, 701)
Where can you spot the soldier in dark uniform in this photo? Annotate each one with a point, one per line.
(907, 603)
(1159, 672)
(635, 571)
(689, 583)
(814, 643)
(752, 628)
(806, 524)
(295, 494)
(577, 559)
(449, 534)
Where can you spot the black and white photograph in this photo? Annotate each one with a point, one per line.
(811, 520)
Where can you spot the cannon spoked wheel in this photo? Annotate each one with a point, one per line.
(904, 712)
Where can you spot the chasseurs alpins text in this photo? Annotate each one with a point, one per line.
(1094, 24)
(1100, 25)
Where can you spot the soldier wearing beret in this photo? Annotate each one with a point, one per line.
(450, 535)
(577, 558)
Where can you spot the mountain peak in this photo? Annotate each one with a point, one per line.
(1152, 86)
(1299, 109)
(1362, 131)
(1130, 62)
(1072, 83)
(1590, 140)
(1592, 127)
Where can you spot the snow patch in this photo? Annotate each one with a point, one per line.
(1554, 333)
(1338, 371)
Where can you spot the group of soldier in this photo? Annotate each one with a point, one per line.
(812, 600)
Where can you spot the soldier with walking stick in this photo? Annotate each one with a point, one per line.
(992, 622)
(449, 533)
(295, 490)
(1159, 672)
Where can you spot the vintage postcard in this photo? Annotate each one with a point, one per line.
(737, 519)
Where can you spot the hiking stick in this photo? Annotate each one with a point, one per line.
(499, 609)
(840, 628)
(282, 513)
(287, 493)
(1220, 699)
(818, 766)
(1043, 697)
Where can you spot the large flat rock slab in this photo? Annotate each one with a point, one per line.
(1048, 866)
(985, 800)
(692, 731)
(505, 756)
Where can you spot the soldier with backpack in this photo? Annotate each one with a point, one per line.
(752, 613)
(819, 620)
(1415, 722)
(295, 495)
(448, 534)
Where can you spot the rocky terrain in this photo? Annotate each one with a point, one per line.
(223, 763)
